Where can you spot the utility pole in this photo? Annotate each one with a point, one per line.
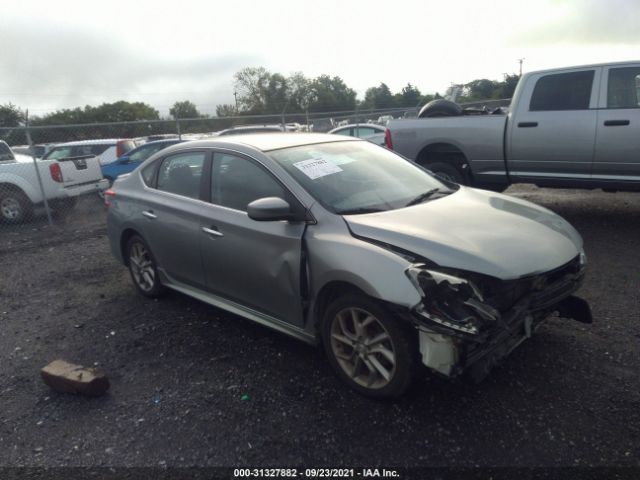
(235, 96)
(520, 60)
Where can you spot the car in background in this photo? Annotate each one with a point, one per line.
(344, 244)
(371, 132)
(130, 160)
(384, 119)
(40, 150)
(59, 181)
(107, 150)
(245, 129)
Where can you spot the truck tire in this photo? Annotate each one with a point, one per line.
(447, 172)
(440, 108)
(15, 206)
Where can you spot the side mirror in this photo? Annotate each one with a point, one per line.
(271, 209)
(125, 159)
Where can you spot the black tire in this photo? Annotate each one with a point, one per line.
(447, 172)
(15, 206)
(440, 108)
(152, 289)
(402, 342)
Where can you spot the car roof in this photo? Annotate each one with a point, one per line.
(104, 141)
(375, 126)
(164, 140)
(272, 141)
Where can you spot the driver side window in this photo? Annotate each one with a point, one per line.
(237, 181)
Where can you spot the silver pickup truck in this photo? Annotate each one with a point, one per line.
(575, 127)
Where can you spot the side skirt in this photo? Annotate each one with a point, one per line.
(241, 310)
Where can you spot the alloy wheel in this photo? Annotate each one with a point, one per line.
(363, 348)
(142, 266)
(11, 208)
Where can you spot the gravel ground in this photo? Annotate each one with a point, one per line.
(193, 385)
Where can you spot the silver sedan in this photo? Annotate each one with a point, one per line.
(339, 242)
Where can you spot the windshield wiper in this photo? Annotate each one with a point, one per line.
(355, 211)
(423, 196)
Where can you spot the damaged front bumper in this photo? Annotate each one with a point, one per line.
(460, 331)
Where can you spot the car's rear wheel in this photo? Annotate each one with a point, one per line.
(15, 206)
(143, 268)
(368, 348)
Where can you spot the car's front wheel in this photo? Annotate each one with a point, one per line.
(369, 349)
(143, 268)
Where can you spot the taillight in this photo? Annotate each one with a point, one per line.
(108, 195)
(56, 172)
(387, 139)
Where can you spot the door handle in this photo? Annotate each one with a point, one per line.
(527, 124)
(212, 231)
(149, 214)
(616, 123)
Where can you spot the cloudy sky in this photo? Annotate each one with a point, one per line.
(68, 53)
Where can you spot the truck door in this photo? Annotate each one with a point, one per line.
(617, 156)
(553, 127)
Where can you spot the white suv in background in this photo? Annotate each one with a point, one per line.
(107, 150)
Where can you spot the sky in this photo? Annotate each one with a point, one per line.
(69, 53)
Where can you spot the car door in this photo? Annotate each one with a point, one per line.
(173, 211)
(256, 264)
(552, 130)
(617, 154)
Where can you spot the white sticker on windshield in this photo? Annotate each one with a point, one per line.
(316, 168)
(341, 159)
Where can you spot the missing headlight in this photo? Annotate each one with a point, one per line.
(450, 301)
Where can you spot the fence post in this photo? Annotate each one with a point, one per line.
(35, 165)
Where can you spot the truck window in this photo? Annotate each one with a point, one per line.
(623, 88)
(562, 91)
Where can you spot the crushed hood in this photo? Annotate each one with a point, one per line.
(478, 231)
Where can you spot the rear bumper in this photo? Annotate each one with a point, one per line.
(82, 188)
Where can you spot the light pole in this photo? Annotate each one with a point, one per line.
(520, 60)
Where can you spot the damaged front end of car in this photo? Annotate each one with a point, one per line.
(467, 322)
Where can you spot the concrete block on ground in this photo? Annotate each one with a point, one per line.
(67, 377)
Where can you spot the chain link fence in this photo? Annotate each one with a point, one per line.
(55, 175)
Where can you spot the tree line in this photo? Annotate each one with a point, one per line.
(258, 91)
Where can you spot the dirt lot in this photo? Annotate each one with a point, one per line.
(180, 370)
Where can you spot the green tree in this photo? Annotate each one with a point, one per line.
(409, 96)
(331, 94)
(226, 110)
(481, 89)
(184, 109)
(251, 84)
(507, 86)
(300, 92)
(11, 115)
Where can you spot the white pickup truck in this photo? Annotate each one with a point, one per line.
(62, 179)
(576, 127)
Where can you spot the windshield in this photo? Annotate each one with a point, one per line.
(356, 177)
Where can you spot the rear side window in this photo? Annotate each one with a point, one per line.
(90, 149)
(59, 152)
(364, 132)
(126, 145)
(180, 174)
(623, 88)
(562, 91)
(5, 152)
